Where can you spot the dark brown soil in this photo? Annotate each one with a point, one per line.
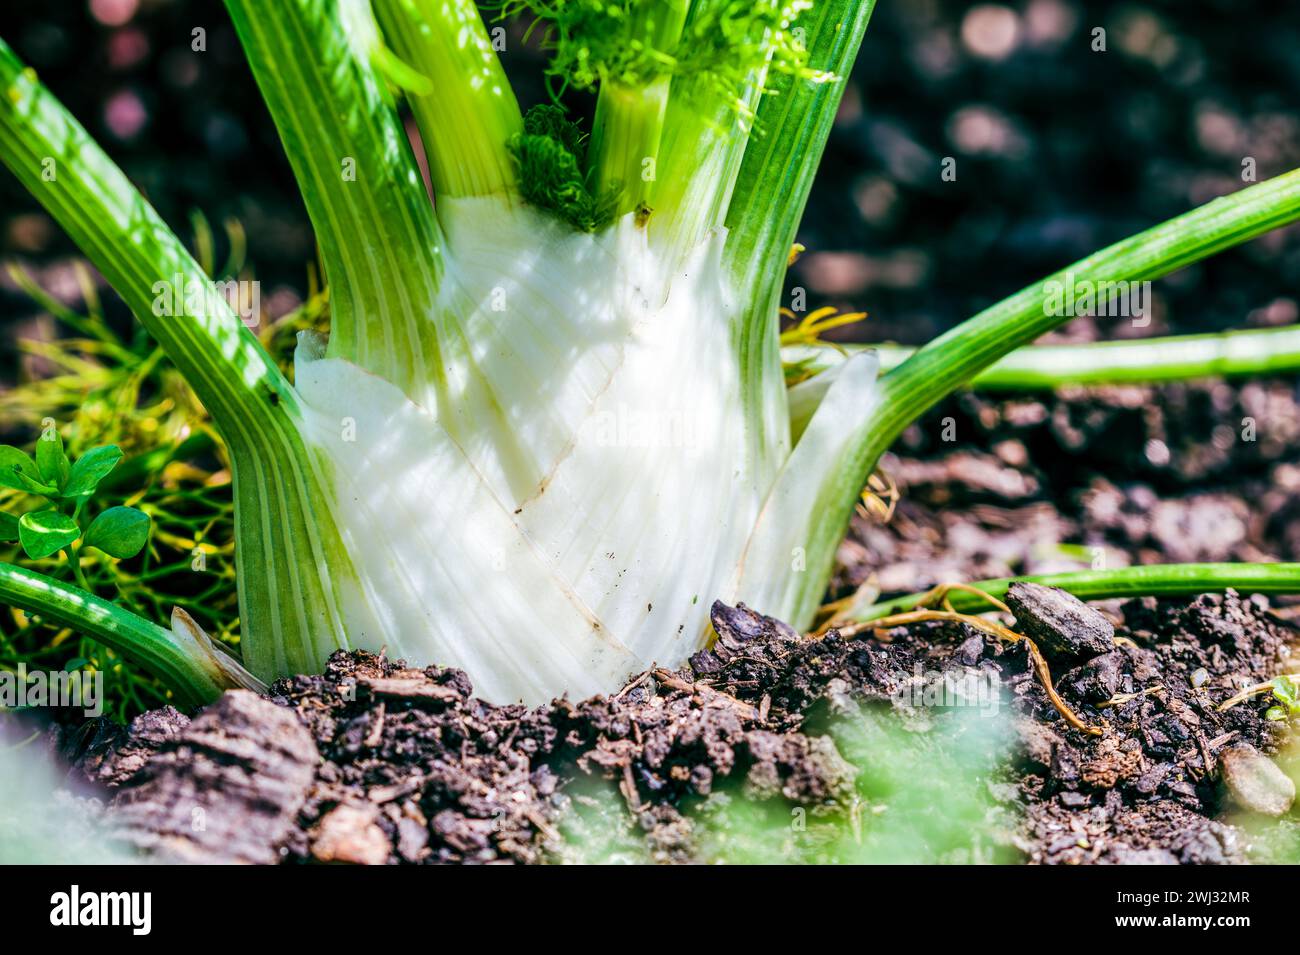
(408, 767)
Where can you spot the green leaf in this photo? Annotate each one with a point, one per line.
(22, 482)
(119, 531)
(91, 468)
(14, 462)
(1275, 713)
(51, 459)
(46, 532)
(1285, 691)
(8, 527)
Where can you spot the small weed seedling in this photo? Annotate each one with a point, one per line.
(66, 488)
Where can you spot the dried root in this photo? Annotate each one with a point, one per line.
(1250, 691)
(939, 595)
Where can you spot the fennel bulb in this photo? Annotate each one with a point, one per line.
(567, 517)
(549, 424)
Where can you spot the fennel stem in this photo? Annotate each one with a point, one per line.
(772, 186)
(1154, 580)
(956, 357)
(379, 238)
(624, 146)
(629, 121)
(1253, 351)
(191, 673)
(290, 557)
(468, 112)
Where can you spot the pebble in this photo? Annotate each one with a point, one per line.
(1255, 782)
(350, 834)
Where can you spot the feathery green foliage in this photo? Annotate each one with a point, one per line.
(549, 156)
(633, 43)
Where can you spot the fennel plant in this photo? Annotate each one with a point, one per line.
(550, 422)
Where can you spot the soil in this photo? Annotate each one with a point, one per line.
(374, 761)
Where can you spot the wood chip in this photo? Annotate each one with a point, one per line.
(1061, 624)
(420, 688)
(226, 789)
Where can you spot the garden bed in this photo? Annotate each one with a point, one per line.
(929, 743)
(955, 172)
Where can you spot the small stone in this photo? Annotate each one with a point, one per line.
(1061, 624)
(412, 833)
(1255, 782)
(739, 625)
(350, 834)
(969, 653)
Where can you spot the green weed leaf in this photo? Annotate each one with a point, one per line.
(8, 527)
(119, 531)
(46, 532)
(1285, 691)
(14, 462)
(32, 486)
(91, 468)
(51, 459)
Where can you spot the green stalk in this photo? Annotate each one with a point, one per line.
(794, 122)
(466, 110)
(771, 190)
(704, 143)
(315, 63)
(1156, 580)
(629, 120)
(958, 356)
(290, 562)
(190, 665)
(1255, 351)
(625, 139)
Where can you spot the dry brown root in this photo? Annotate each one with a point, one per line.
(839, 613)
(939, 595)
(1250, 691)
